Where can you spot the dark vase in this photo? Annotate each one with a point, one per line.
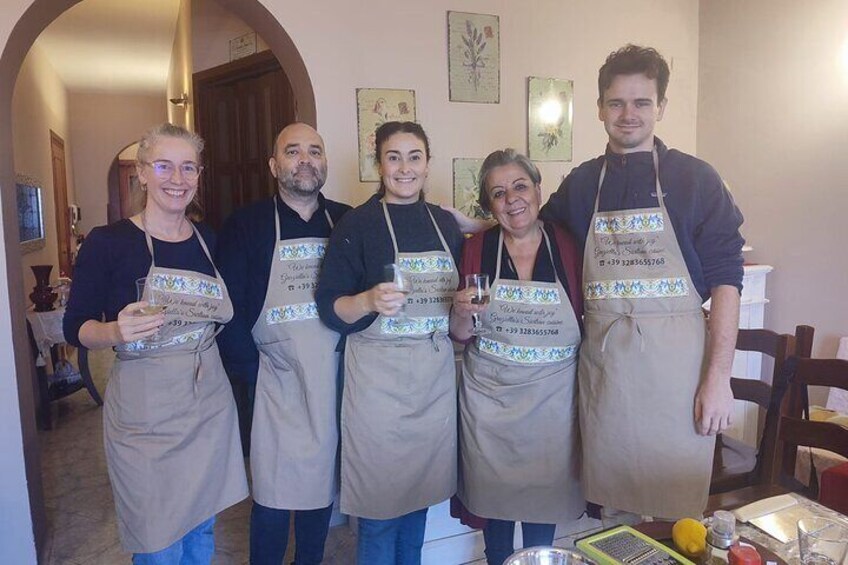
(42, 295)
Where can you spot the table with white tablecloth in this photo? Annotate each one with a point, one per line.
(46, 338)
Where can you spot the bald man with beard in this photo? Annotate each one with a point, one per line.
(269, 254)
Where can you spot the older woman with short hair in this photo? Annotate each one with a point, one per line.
(518, 420)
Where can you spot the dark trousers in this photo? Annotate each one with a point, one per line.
(269, 535)
(498, 535)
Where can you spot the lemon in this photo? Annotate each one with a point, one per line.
(689, 536)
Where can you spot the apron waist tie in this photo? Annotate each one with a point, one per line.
(204, 345)
(433, 340)
(635, 317)
(615, 322)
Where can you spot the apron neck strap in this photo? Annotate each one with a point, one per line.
(194, 230)
(148, 240)
(277, 201)
(658, 188)
(500, 254)
(392, 229)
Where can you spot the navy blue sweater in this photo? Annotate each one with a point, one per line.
(109, 262)
(361, 247)
(705, 219)
(245, 249)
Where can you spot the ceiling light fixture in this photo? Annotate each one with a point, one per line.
(181, 101)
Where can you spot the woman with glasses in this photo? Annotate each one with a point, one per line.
(169, 422)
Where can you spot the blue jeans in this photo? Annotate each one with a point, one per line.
(195, 548)
(498, 535)
(397, 541)
(269, 535)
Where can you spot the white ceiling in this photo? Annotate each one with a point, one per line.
(113, 45)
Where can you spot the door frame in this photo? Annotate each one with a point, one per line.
(60, 204)
(14, 345)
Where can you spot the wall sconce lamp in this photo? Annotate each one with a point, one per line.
(181, 101)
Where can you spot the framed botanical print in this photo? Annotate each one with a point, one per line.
(549, 118)
(466, 187)
(374, 107)
(474, 58)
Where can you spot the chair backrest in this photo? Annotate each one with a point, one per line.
(796, 430)
(780, 347)
(767, 396)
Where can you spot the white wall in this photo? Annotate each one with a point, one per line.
(212, 28)
(179, 74)
(39, 105)
(773, 120)
(384, 44)
(101, 126)
(17, 542)
(403, 45)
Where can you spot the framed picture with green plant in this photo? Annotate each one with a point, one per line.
(474, 58)
(549, 118)
(466, 191)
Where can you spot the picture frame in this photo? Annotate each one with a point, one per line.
(30, 208)
(550, 111)
(474, 59)
(466, 185)
(374, 107)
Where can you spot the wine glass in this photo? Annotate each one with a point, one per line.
(479, 284)
(154, 299)
(404, 285)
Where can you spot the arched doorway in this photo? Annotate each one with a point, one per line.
(14, 349)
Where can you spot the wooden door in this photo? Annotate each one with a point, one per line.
(240, 107)
(60, 201)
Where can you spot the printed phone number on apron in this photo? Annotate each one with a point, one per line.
(631, 262)
(431, 300)
(526, 331)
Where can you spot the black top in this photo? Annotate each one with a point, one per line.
(361, 247)
(245, 250)
(543, 270)
(112, 258)
(706, 221)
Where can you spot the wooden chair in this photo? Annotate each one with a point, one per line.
(737, 465)
(795, 430)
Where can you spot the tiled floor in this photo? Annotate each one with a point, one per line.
(81, 519)
(80, 511)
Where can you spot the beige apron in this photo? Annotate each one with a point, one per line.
(399, 402)
(640, 366)
(169, 422)
(519, 443)
(295, 431)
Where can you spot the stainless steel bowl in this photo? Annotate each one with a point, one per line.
(544, 555)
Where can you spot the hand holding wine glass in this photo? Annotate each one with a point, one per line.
(403, 284)
(478, 285)
(142, 319)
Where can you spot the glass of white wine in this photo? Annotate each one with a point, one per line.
(478, 283)
(404, 285)
(155, 303)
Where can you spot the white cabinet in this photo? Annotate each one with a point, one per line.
(746, 364)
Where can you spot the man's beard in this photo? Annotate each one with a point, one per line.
(301, 186)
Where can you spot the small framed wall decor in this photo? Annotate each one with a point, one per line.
(242, 46)
(549, 118)
(474, 58)
(466, 187)
(374, 107)
(30, 214)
